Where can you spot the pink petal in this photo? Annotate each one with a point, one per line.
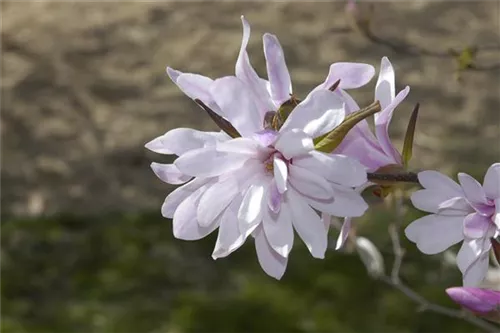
(434, 234)
(357, 147)
(496, 216)
(266, 137)
(277, 72)
(476, 226)
(382, 122)
(271, 262)
(476, 299)
(275, 197)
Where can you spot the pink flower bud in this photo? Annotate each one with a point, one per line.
(483, 302)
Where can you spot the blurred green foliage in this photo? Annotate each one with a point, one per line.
(126, 273)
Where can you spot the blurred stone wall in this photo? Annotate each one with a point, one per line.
(84, 86)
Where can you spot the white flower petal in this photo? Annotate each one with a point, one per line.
(237, 104)
(251, 209)
(174, 199)
(181, 140)
(319, 113)
(241, 146)
(476, 273)
(344, 233)
(434, 234)
(215, 200)
(169, 173)
(473, 190)
(185, 223)
(279, 230)
(432, 201)
(308, 224)
(472, 260)
(385, 89)
(277, 72)
(207, 162)
(245, 72)
(280, 173)
(351, 75)
(337, 168)
(272, 263)
(173, 74)
(469, 252)
(294, 143)
(309, 183)
(434, 180)
(196, 86)
(491, 182)
(346, 202)
(229, 238)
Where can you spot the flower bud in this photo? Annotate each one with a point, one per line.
(371, 257)
(482, 302)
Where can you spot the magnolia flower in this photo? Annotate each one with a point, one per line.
(373, 151)
(469, 212)
(483, 302)
(267, 182)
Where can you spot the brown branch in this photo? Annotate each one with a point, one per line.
(385, 178)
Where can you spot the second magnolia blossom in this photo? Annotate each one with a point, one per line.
(467, 212)
(270, 181)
